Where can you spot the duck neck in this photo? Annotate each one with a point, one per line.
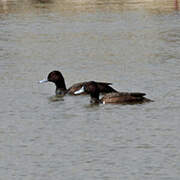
(95, 98)
(60, 87)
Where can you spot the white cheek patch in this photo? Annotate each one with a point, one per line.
(79, 91)
(43, 81)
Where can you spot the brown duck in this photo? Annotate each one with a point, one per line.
(57, 78)
(114, 97)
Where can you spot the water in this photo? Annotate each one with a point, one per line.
(134, 45)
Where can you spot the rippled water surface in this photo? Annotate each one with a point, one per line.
(133, 44)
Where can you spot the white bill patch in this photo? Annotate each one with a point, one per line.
(43, 81)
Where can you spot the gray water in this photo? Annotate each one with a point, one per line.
(133, 44)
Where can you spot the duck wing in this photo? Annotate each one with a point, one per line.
(137, 94)
(75, 87)
(104, 87)
(124, 98)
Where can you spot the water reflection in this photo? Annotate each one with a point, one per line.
(176, 5)
(53, 137)
(55, 98)
(76, 6)
(43, 1)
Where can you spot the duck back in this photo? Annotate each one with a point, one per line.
(103, 87)
(125, 98)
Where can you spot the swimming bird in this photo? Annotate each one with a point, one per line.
(114, 97)
(57, 78)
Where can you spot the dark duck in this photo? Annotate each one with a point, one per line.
(113, 97)
(57, 78)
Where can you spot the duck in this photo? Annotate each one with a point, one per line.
(57, 78)
(92, 89)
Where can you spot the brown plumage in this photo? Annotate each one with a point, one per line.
(57, 78)
(125, 98)
(115, 97)
(103, 87)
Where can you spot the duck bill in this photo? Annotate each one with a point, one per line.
(79, 91)
(43, 81)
